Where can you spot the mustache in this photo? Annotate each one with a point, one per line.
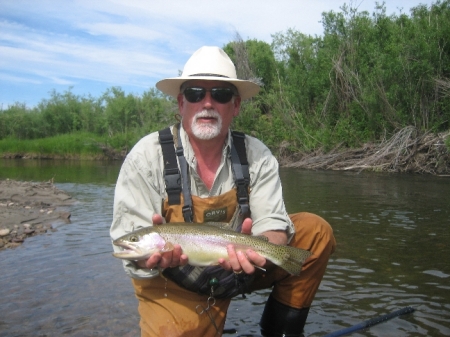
(207, 114)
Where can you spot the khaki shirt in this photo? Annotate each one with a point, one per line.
(140, 189)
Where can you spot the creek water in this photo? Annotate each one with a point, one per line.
(392, 232)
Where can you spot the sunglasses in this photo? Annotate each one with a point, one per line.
(197, 94)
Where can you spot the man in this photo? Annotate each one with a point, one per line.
(203, 183)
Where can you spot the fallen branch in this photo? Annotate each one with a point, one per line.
(406, 151)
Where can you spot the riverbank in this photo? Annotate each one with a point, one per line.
(407, 151)
(28, 209)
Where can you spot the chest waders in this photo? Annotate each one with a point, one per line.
(168, 308)
(181, 206)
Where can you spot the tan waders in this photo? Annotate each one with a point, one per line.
(169, 310)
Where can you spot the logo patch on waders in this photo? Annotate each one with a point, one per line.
(215, 215)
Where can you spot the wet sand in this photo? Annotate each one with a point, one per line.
(30, 208)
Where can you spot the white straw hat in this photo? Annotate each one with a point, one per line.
(211, 64)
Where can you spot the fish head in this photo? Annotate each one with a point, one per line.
(139, 246)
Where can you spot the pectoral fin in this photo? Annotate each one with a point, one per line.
(167, 247)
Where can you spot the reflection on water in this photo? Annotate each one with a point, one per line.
(61, 171)
(392, 233)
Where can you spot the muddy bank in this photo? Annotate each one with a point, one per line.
(28, 209)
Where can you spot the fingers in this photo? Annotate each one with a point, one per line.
(152, 261)
(157, 219)
(235, 265)
(255, 258)
(247, 226)
(171, 259)
(240, 261)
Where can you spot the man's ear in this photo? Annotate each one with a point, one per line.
(180, 100)
(237, 106)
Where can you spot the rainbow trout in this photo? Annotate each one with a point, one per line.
(205, 244)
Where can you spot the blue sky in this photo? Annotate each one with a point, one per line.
(92, 45)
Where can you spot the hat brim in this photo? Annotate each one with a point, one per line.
(171, 86)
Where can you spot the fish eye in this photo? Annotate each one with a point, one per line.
(134, 238)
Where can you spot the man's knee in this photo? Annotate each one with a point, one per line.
(313, 232)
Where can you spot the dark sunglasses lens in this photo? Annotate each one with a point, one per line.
(222, 95)
(194, 95)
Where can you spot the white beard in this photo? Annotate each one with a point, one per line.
(206, 131)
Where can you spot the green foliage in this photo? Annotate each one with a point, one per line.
(78, 144)
(260, 60)
(119, 119)
(369, 75)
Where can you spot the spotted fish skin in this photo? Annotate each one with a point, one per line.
(205, 244)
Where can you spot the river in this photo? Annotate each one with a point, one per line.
(392, 232)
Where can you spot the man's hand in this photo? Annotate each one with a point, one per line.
(243, 261)
(173, 258)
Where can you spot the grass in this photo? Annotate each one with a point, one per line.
(74, 145)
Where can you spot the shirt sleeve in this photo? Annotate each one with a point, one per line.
(138, 196)
(268, 210)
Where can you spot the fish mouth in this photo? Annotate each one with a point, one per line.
(124, 244)
(129, 250)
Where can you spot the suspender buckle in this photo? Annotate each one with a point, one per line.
(179, 151)
(244, 210)
(187, 213)
(242, 197)
(172, 179)
(242, 192)
(166, 138)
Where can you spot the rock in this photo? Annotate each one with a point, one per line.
(65, 216)
(4, 231)
(13, 244)
(28, 209)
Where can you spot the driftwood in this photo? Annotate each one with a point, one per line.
(406, 151)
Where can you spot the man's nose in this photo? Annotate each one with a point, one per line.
(207, 101)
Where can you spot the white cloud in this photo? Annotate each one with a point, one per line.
(18, 79)
(134, 43)
(122, 31)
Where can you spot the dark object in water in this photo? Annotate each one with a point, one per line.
(371, 322)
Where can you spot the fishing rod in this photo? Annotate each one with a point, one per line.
(371, 322)
(359, 326)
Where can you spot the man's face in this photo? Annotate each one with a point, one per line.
(208, 118)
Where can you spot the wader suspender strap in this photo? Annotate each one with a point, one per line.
(174, 181)
(172, 175)
(187, 208)
(240, 169)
